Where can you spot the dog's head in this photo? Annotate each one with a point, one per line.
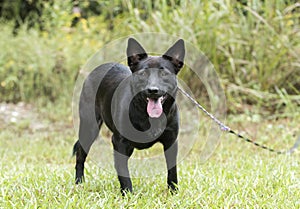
(154, 77)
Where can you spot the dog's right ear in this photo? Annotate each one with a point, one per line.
(135, 53)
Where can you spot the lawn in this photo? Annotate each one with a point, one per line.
(37, 170)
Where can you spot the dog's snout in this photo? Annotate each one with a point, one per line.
(152, 90)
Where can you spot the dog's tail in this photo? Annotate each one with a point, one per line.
(75, 148)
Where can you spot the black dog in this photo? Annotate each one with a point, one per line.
(137, 105)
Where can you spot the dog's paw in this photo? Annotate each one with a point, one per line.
(79, 180)
(173, 188)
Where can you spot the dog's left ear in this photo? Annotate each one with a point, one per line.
(176, 55)
(135, 53)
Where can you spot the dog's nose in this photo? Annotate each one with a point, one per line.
(152, 90)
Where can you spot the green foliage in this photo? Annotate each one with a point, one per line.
(42, 65)
(254, 45)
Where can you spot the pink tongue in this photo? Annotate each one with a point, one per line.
(154, 107)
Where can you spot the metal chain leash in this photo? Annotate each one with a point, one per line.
(225, 128)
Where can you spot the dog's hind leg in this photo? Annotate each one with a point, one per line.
(88, 132)
(80, 159)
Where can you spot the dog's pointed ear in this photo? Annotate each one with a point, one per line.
(176, 54)
(135, 53)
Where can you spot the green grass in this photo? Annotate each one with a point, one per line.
(254, 48)
(37, 171)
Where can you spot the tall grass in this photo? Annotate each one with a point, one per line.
(41, 65)
(254, 46)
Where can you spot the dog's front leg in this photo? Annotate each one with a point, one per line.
(122, 151)
(171, 151)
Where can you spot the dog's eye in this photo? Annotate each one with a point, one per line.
(164, 73)
(142, 73)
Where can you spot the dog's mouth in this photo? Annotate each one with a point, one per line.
(155, 106)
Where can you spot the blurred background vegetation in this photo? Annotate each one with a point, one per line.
(254, 45)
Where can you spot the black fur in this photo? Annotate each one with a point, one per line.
(118, 96)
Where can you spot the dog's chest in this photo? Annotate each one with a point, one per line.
(152, 128)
